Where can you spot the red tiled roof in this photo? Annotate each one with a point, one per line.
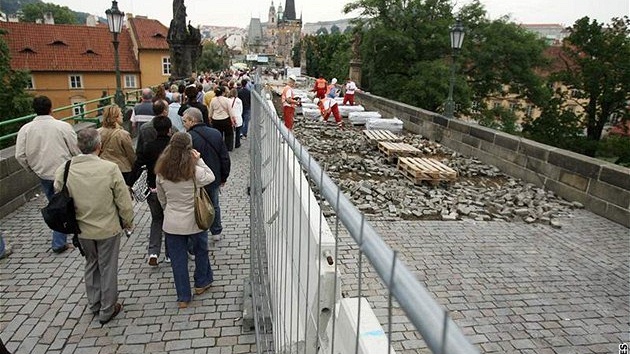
(151, 34)
(42, 47)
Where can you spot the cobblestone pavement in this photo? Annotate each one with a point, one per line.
(512, 287)
(42, 295)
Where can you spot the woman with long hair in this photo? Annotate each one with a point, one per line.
(116, 145)
(176, 168)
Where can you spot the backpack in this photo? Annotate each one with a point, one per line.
(60, 214)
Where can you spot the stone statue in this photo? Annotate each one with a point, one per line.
(184, 43)
(356, 46)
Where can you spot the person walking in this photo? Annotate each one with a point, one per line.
(103, 204)
(209, 142)
(180, 170)
(289, 102)
(148, 156)
(219, 112)
(191, 101)
(350, 88)
(143, 111)
(116, 144)
(236, 111)
(43, 145)
(245, 94)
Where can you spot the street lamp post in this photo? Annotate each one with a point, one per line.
(457, 38)
(115, 21)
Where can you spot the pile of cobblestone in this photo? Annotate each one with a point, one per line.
(481, 192)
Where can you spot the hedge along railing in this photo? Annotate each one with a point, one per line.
(130, 97)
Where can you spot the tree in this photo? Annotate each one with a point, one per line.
(407, 56)
(35, 11)
(14, 101)
(327, 54)
(335, 29)
(598, 69)
(213, 57)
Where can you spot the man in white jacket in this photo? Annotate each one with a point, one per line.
(42, 146)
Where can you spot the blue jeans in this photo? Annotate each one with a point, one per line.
(178, 250)
(213, 192)
(247, 114)
(58, 239)
(2, 246)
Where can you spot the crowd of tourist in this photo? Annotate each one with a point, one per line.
(184, 134)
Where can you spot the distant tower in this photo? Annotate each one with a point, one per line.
(272, 15)
(289, 10)
(280, 13)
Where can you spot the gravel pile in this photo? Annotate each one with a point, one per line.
(481, 192)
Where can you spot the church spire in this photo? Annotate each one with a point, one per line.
(289, 10)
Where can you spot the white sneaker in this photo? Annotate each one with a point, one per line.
(216, 238)
(153, 260)
(167, 260)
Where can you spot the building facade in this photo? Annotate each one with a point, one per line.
(278, 36)
(72, 64)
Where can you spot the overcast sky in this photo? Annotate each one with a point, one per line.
(238, 12)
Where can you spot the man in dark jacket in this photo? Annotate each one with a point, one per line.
(246, 96)
(209, 142)
(156, 134)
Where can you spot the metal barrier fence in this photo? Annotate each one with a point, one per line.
(300, 267)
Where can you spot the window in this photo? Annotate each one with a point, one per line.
(76, 81)
(77, 106)
(513, 107)
(529, 110)
(496, 105)
(130, 81)
(30, 84)
(166, 66)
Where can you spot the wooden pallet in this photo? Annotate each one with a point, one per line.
(424, 169)
(375, 136)
(391, 149)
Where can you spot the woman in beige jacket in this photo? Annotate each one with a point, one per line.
(116, 142)
(175, 170)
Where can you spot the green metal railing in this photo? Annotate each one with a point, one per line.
(131, 97)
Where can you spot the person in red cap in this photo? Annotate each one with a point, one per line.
(328, 106)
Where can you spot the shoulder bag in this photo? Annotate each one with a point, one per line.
(204, 210)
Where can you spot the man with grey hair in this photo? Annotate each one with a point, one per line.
(175, 118)
(143, 111)
(103, 208)
(209, 142)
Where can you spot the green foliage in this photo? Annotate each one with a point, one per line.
(597, 65)
(35, 11)
(555, 126)
(12, 6)
(327, 54)
(616, 148)
(212, 58)
(335, 29)
(14, 101)
(499, 118)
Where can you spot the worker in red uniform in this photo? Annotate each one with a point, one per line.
(351, 88)
(328, 106)
(320, 87)
(289, 102)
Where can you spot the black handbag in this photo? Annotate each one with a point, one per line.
(60, 214)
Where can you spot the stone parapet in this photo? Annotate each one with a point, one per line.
(602, 187)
